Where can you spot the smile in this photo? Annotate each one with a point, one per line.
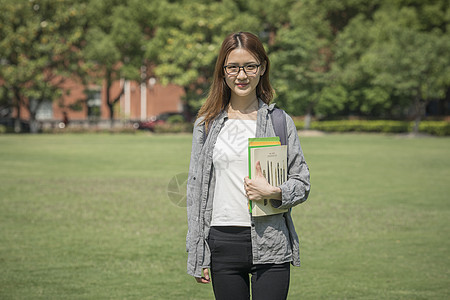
(241, 85)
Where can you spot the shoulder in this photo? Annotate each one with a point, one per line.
(198, 131)
(199, 122)
(199, 125)
(289, 120)
(291, 127)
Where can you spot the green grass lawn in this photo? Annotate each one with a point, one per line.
(88, 217)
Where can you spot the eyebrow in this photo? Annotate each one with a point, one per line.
(247, 63)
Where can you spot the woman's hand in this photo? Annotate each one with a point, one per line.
(258, 188)
(205, 278)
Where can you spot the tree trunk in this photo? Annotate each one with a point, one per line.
(112, 101)
(108, 98)
(111, 115)
(308, 116)
(34, 124)
(188, 110)
(17, 123)
(307, 125)
(420, 113)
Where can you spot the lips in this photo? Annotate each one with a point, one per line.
(241, 85)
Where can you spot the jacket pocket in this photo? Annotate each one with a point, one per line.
(274, 241)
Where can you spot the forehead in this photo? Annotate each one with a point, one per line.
(240, 56)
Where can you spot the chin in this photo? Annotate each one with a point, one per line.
(242, 93)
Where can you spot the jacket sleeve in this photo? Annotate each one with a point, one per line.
(192, 185)
(296, 189)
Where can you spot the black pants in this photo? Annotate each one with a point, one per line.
(231, 264)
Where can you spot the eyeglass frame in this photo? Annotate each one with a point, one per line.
(243, 68)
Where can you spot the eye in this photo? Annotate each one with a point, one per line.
(251, 67)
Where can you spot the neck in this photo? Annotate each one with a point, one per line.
(244, 104)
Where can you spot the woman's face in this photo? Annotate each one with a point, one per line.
(244, 83)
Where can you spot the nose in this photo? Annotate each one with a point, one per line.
(241, 74)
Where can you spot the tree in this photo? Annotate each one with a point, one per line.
(39, 50)
(395, 58)
(116, 38)
(300, 58)
(411, 63)
(304, 52)
(299, 68)
(272, 16)
(187, 40)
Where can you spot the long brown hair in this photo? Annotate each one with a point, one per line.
(220, 93)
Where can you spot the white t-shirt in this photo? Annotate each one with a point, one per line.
(230, 159)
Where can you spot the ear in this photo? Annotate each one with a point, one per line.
(263, 68)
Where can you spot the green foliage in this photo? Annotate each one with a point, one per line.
(174, 127)
(187, 41)
(304, 55)
(332, 99)
(377, 58)
(77, 106)
(435, 128)
(438, 128)
(407, 61)
(117, 35)
(362, 126)
(300, 57)
(175, 119)
(39, 48)
(89, 130)
(115, 45)
(395, 58)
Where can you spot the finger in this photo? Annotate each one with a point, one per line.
(253, 197)
(258, 169)
(206, 274)
(201, 280)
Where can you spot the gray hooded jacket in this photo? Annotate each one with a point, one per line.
(274, 239)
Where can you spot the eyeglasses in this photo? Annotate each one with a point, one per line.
(233, 70)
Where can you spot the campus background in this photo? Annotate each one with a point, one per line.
(101, 61)
(94, 208)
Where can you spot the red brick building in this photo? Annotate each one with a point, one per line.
(87, 105)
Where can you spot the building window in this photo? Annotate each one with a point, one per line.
(44, 111)
(94, 104)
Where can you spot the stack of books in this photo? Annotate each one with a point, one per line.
(273, 160)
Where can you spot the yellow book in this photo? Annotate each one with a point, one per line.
(252, 144)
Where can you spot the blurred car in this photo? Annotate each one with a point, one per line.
(159, 120)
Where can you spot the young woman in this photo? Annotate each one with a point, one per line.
(224, 240)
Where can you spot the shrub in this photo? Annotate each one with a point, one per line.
(299, 124)
(175, 119)
(440, 128)
(173, 128)
(81, 130)
(2, 129)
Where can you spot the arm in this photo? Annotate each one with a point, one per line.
(296, 189)
(292, 192)
(193, 202)
(192, 215)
